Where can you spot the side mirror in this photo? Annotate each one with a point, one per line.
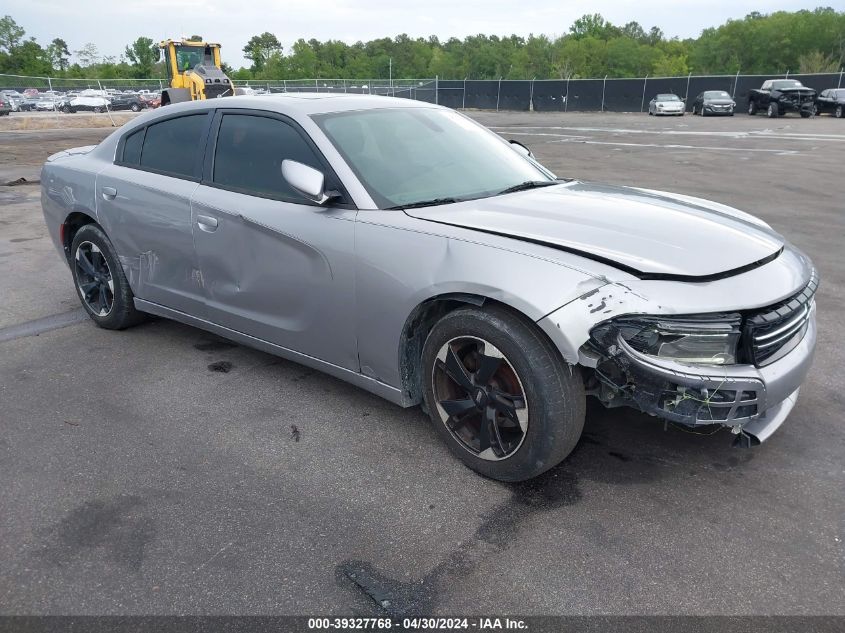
(306, 180)
(522, 149)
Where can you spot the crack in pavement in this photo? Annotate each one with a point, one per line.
(45, 324)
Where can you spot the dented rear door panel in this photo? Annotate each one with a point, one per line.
(149, 222)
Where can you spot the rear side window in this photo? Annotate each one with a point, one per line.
(250, 151)
(132, 148)
(172, 145)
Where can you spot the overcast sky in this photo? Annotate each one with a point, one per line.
(111, 24)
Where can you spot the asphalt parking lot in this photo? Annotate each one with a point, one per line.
(138, 480)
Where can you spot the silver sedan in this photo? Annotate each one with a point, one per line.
(406, 249)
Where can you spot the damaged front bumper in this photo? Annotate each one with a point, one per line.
(753, 401)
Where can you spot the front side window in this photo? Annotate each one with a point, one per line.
(172, 146)
(249, 154)
(405, 156)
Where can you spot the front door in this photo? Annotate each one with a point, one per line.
(273, 265)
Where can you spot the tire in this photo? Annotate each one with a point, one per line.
(772, 111)
(135, 107)
(98, 277)
(66, 109)
(839, 112)
(521, 441)
(97, 110)
(701, 112)
(805, 114)
(752, 108)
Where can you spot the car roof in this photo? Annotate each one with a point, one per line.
(306, 103)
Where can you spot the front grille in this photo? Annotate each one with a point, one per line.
(773, 333)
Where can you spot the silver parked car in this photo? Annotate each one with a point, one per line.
(408, 250)
(664, 104)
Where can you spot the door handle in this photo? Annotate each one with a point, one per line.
(207, 223)
(109, 193)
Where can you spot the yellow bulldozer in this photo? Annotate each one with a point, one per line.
(194, 72)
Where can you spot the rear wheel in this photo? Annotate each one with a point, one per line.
(100, 283)
(135, 107)
(499, 394)
(97, 109)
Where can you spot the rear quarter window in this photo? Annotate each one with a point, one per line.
(132, 148)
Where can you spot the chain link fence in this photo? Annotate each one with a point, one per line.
(542, 95)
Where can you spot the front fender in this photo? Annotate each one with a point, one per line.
(400, 267)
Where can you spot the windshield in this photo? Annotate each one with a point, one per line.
(668, 98)
(787, 83)
(411, 155)
(716, 94)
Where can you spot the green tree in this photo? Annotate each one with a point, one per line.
(142, 54)
(259, 49)
(593, 25)
(10, 34)
(58, 54)
(88, 55)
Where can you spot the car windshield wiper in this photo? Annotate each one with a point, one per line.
(528, 184)
(426, 203)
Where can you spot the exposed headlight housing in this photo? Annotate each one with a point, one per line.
(704, 340)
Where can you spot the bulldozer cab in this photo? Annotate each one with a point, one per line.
(193, 71)
(181, 56)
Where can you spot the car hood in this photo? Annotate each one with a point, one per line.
(651, 234)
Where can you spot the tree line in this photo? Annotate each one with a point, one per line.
(801, 42)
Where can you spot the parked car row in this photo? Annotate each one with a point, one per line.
(776, 97)
(32, 100)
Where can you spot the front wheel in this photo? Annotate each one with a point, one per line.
(772, 112)
(100, 283)
(752, 108)
(839, 112)
(97, 110)
(135, 107)
(499, 393)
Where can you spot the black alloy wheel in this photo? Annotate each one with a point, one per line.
(480, 398)
(94, 279)
(100, 280)
(499, 393)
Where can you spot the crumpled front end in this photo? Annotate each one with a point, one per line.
(759, 360)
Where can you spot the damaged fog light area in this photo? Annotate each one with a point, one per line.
(680, 369)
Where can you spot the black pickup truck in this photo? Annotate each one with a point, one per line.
(776, 97)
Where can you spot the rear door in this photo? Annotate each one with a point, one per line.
(144, 204)
(274, 265)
